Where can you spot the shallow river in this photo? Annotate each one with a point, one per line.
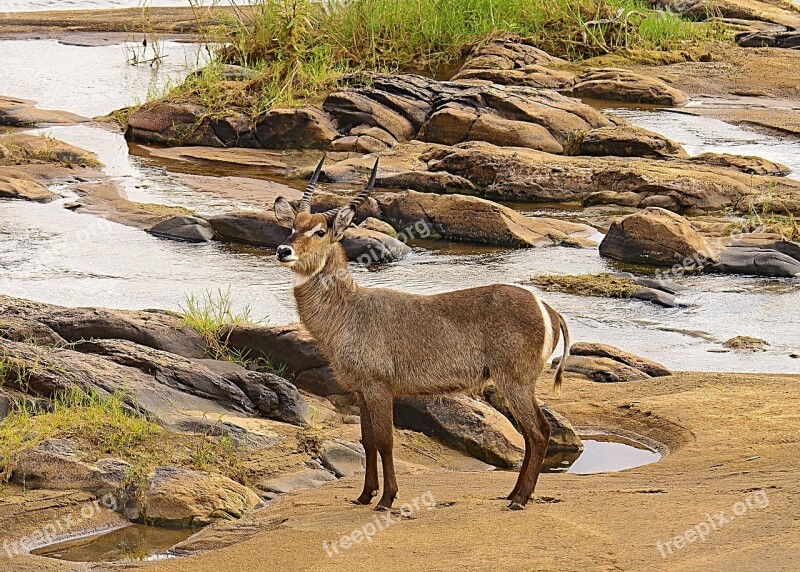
(52, 254)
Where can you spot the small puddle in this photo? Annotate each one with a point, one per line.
(134, 543)
(602, 454)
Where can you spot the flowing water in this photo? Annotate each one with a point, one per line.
(56, 255)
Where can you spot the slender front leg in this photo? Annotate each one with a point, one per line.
(380, 404)
(371, 451)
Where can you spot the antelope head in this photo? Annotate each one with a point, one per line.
(314, 237)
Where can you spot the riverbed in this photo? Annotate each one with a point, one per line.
(52, 254)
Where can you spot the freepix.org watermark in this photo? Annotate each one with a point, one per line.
(713, 523)
(381, 522)
(60, 527)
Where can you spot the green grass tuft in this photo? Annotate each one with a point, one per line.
(210, 314)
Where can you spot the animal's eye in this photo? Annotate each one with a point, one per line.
(320, 233)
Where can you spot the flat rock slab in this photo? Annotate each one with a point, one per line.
(625, 85)
(300, 480)
(651, 368)
(15, 184)
(343, 458)
(23, 113)
(472, 219)
(186, 228)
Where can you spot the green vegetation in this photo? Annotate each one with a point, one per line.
(104, 426)
(301, 49)
(601, 285)
(210, 314)
(772, 217)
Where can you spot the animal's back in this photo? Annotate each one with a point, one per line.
(443, 342)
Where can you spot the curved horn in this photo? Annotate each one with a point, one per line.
(364, 195)
(360, 199)
(305, 202)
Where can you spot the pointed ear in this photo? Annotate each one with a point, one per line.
(284, 212)
(342, 222)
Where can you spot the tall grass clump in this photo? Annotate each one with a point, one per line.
(210, 314)
(301, 49)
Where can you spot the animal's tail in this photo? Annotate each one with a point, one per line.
(563, 363)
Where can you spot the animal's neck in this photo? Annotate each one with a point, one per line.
(323, 298)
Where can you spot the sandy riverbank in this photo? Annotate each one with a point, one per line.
(729, 435)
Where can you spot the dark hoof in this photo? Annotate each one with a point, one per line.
(365, 498)
(516, 506)
(382, 508)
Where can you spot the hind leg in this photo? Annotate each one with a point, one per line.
(536, 430)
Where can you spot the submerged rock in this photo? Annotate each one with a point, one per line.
(471, 219)
(625, 85)
(658, 237)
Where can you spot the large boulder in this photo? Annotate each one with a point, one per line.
(625, 85)
(518, 174)
(290, 347)
(628, 141)
(658, 237)
(262, 229)
(743, 163)
(472, 219)
(273, 396)
(745, 259)
(171, 124)
(178, 497)
(301, 128)
(455, 124)
(602, 369)
(464, 423)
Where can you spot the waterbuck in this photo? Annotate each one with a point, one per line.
(384, 343)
